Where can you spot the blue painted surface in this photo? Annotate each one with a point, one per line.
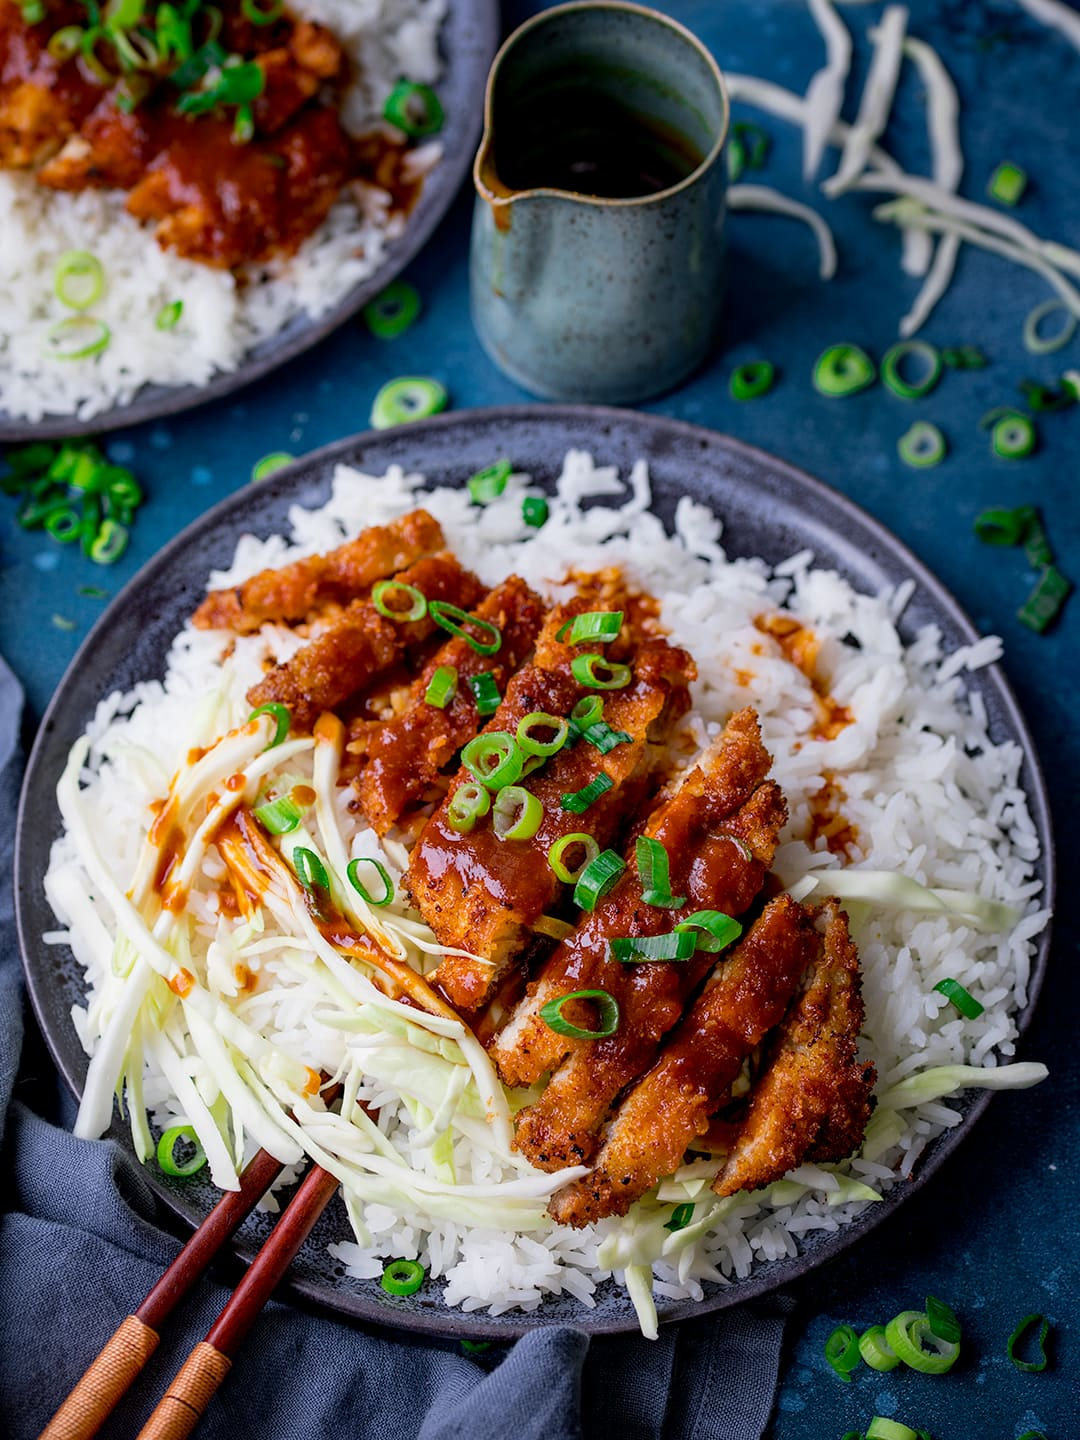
(998, 1233)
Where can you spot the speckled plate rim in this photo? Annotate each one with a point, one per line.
(468, 41)
(556, 428)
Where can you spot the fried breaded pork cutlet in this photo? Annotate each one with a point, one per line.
(719, 831)
(482, 894)
(300, 590)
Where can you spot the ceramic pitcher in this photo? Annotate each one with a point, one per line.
(611, 296)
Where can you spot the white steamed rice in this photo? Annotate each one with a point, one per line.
(222, 318)
(929, 794)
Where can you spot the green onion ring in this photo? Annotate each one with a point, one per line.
(362, 890)
(1044, 399)
(413, 397)
(269, 464)
(281, 816)
(539, 719)
(1008, 183)
(417, 607)
(881, 1428)
(168, 317)
(894, 357)
(310, 870)
(594, 626)
(969, 1007)
(516, 814)
(720, 930)
(280, 714)
(752, 380)
(680, 1218)
(415, 109)
(453, 619)
(442, 687)
(552, 1015)
(1013, 437)
(559, 849)
(1038, 345)
(843, 370)
(999, 526)
(874, 1349)
(109, 543)
(468, 804)
(597, 879)
(942, 1318)
(166, 1147)
(1032, 1366)
(392, 312)
(906, 1334)
(494, 759)
(588, 710)
(600, 674)
(488, 484)
(77, 338)
(403, 1277)
(64, 525)
(257, 16)
(922, 445)
(842, 1351)
(65, 43)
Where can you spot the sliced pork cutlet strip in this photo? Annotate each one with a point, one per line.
(671, 1106)
(484, 895)
(403, 757)
(813, 1099)
(362, 644)
(299, 590)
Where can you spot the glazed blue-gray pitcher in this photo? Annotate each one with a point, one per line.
(597, 258)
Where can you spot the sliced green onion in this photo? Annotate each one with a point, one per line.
(999, 526)
(965, 1002)
(64, 524)
(403, 1277)
(908, 1335)
(680, 1218)
(594, 626)
(475, 1347)
(1045, 399)
(942, 1318)
(386, 590)
(1007, 183)
(1036, 541)
(1032, 1435)
(494, 759)
(166, 1152)
(65, 43)
(393, 312)
(552, 1015)
(894, 358)
(487, 485)
(244, 124)
(633, 949)
(468, 804)
(236, 85)
(720, 930)
(109, 543)
(755, 141)
(534, 511)
(874, 1349)
(442, 687)
(91, 522)
(77, 338)
(600, 674)
(413, 397)
(964, 357)
(271, 463)
(258, 16)
(1013, 437)
(353, 872)
(279, 713)
(528, 743)
(881, 1428)
(79, 279)
(552, 927)
(843, 370)
(63, 623)
(604, 738)
(168, 317)
(1040, 345)
(1044, 603)
(453, 619)
(752, 380)
(516, 814)
(485, 693)
(310, 870)
(33, 11)
(280, 817)
(842, 1351)
(1027, 1323)
(588, 711)
(922, 446)
(597, 879)
(654, 872)
(578, 801)
(558, 850)
(414, 109)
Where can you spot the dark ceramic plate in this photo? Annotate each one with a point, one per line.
(768, 509)
(467, 42)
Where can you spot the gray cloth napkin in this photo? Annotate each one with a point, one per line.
(80, 1245)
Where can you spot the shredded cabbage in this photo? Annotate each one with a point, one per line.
(761, 197)
(941, 1080)
(877, 99)
(899, 892)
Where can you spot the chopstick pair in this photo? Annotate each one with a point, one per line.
(127, 1352)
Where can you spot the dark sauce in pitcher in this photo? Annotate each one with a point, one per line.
(589, 144)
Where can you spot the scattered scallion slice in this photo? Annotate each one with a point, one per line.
(552, 1015)
(654, 873)
(281, 816)
(494, 759)
(719, 930)
(415, 109)
(1017, 1336)
(874, 1349)
(590, 851)
(468, 804)
(1036, 541)
(269, 464)
(531, 744)
(166, 1152)
(1013, 436)
(603, 738)
(168, 317)
(882, 1428)
(280, 714)
(413, 397)
(1044, 603)
(964, 1001)
(999, 526)
(631, 950)
(893, 360)
(552, 927)
(454, 620)
(310, 870)
(393, 311)
(588, 711)
(77, 338)
(109, 543)
(488, 484)
(942, 1318)
(386, 894)
(922, 445)
(64, 524)
(79, 279)
(1039, 344)
(578, 801)
(910, 1338)
(842, 1351)
(1044, 399)
(65, 43)
(597, 879)
(680, 1218)
(534, 511)
(475, 1347)
(1007, 183)
(593, 627)
(259, 16)
(517, 814)
(600, 674)
(752, 380)
(385, 597)
(843, 370)
(403, 1277)
(964, 357)
(485, 691)
(442, 687)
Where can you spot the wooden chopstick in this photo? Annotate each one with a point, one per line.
(124, 1356)
(199, 1378)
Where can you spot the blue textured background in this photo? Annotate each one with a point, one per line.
(998, 1234)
